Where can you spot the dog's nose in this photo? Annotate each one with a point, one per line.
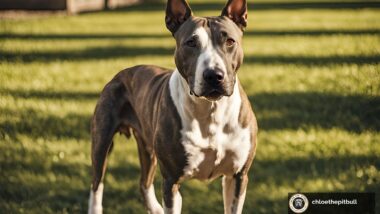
(213, 77)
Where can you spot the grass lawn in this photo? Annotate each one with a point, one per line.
(312, 73)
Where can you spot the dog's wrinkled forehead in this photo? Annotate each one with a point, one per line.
(212, 25)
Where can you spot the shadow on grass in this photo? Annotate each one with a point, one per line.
(39, 124)
(125, 172)
(311, 61)
(299, 175)
(302, 110)
(43, 164)
(82, 36)
(309, 168)
(64, 95)
(114, 52)
(65, 191)
(312, 32)
(96, 53)
(44, 197)
(158, 36)
(206, 6)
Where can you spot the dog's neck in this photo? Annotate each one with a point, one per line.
(190, 107)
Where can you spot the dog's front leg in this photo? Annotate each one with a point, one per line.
(172, 200)
(234, 190)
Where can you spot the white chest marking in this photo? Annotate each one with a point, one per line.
(226, 112)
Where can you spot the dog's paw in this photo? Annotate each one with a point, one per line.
(95, 210)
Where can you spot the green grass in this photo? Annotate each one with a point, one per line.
(312, 73)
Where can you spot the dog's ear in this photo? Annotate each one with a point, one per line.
(177, 12)
(236, 10)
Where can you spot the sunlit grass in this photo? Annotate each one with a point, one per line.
(311, 74)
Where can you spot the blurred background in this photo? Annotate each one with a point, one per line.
(311, 71)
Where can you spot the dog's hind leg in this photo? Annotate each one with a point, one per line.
(105, 123)
(148, 162)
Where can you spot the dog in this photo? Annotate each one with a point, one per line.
(196, 122)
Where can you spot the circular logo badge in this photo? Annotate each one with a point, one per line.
(298, 203)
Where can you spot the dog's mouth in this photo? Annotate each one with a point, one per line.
(211, 95)
(214, 95)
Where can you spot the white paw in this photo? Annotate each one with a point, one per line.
(95, 210)
(157, 210)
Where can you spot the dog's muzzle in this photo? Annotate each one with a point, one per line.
(214, 87)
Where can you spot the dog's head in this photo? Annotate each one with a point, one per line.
(208, 49)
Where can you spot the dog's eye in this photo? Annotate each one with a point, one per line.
(230, 42)
(191, 43)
